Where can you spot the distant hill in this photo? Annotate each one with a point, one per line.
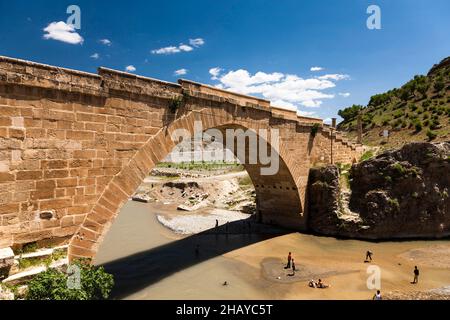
(418, 111)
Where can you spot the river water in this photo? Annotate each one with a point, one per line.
(150, 261)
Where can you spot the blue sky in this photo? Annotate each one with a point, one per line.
(264, 48)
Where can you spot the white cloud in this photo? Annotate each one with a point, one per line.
(334, 76)
(215, 72)
(344, 94)
(95, 56)
(180, 72)
(130, 68)
(184, 47)
(327, 121)
(106, 42)
(305, 113)
(61, 31)
(172, 49)
(166, 50)
(314, 69)
(284, 105)
(284, 90)
(196, 42)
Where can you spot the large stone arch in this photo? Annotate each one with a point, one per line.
(278, 196)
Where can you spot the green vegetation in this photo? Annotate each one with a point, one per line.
(431, 135)
(245, 181)
(95, 284)
(202, 165)
(402, 172)
(367, 155)
(418, 126)
(422, 102)
(314, 129)
(25, 263)
(26, 248)
(175, 104)
(394, 203)
(350, 112)
(344, 174)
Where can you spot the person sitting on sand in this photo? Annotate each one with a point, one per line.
(322, 285)
(312, 283)
(377, 296)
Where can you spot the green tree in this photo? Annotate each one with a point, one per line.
(439, 85)
(350, 112)
(423, 88)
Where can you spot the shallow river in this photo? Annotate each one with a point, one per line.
(150, 261)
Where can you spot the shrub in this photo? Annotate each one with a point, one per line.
(399, 168)
(175, 104)
(314, 129)
(418, 126)
(439, 85)
(367, 155)
(398, 114)
(431, 135)
(394, 203)
(423, 88)
(385, 121)
(52, 284)
(434, 124)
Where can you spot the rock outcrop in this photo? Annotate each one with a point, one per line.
(399, 194)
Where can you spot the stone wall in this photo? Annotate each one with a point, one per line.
(74, 146)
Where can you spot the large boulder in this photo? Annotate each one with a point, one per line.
(399, 194)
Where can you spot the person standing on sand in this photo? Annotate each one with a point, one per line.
(369, 255)
(377, 296)
(289, 258)
(416, 275)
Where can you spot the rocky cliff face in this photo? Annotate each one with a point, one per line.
(398, 194)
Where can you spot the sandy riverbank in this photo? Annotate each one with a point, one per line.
(152, 262)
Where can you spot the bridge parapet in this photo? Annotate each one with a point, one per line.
(193, 88)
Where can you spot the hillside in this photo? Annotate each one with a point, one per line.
(418, 111)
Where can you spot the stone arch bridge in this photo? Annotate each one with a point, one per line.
(75, 146)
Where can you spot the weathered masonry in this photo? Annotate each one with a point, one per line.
(75, 146)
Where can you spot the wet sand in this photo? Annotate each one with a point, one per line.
(150, 261)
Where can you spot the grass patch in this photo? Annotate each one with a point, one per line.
(245, 181)
(367, 155)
